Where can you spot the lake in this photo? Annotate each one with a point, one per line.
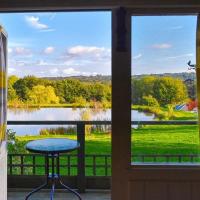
(51, 114)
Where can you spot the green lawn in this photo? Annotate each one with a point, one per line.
(149, 139)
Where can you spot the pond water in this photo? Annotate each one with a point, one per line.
(51, 114)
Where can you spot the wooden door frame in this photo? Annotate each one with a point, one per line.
(122, 169)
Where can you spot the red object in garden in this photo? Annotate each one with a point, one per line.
(192, 104)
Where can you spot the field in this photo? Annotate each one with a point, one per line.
(149, 139)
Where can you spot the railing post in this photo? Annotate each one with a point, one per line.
(81, 157)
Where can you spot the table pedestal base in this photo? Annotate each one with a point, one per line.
(52, 178)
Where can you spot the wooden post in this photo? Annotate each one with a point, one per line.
(198, 66)
(121, 103)
(81, 156)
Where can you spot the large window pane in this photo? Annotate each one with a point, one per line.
(164, 90)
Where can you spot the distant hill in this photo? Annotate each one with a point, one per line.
(97, 78)
(183, 75)
(107, 78)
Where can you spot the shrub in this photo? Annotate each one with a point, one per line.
(150, 101)
(80, 102)
(58, 131)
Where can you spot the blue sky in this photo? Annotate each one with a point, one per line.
(68, 44)
(163, 44)
(58, 44)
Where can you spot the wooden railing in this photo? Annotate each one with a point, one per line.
(33, 164)
(76, 164)
(96, 164)
(166, 158)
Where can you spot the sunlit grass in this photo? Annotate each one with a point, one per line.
(148, 139)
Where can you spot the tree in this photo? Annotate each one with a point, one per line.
(12, 79)
(99, 91)
(23, 85)
(42, 95)
(168, 90)
(150, 101)
(142, 87)
(21, 90)
(68, 90)
(11, 91)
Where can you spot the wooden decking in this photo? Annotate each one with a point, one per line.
(59, 195)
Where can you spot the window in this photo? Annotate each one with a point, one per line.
(164, 90)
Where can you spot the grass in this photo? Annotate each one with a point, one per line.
(149, 139)
(166, 139)
(164, 113)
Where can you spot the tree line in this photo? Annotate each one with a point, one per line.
(148, 90)
(35, 90)
(160, 91)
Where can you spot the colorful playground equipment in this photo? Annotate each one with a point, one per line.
(190, 106)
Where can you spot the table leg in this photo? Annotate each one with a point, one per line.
(53, 177)
(47, 179)
(70, 190)
(36, 190)
(58, 174)
(52, 191)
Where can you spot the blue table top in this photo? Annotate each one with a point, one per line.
(52, 145)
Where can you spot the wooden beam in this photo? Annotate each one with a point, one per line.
(121, 102)
(48, 5)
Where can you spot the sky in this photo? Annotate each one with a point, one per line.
(163, 44)
(79, 43)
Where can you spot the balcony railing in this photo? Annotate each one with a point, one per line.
(80, 169)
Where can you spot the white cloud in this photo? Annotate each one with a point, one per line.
(70, 71)
(20, 51)
(49, 15)
(137, 56)
(11, 70)
(86, 50)
(77, 60)
(49, 50)
(35, 23)
(162, 46)
(54, 71)
(10, 50)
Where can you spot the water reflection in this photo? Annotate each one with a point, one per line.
(67, 114)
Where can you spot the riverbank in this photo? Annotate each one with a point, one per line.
(169, 113)
(105, 105)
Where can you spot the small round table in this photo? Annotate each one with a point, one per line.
(51, 148)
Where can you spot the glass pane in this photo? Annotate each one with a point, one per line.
(59, 69)
(164, 90)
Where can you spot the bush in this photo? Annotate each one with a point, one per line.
(150, 101)
(80, 102)
(58, 131)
